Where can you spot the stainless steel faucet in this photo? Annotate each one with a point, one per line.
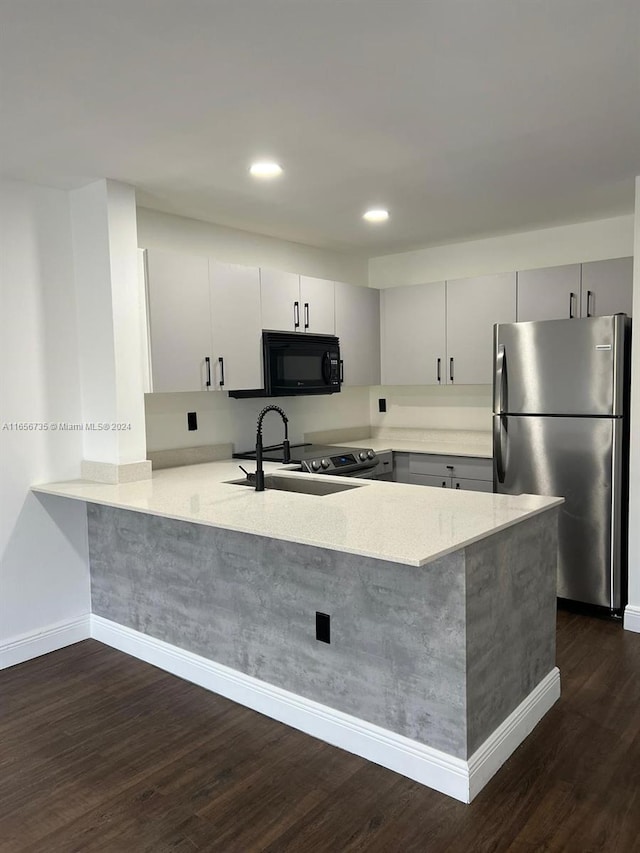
(286, 451)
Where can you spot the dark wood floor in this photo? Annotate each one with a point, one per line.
(101, 752)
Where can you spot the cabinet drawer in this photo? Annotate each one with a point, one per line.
(430, 480)
(385, 465)
(473, 485)
(465, 467)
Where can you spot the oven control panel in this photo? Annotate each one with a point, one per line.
(343, 463)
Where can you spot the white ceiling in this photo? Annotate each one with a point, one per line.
(463, 117)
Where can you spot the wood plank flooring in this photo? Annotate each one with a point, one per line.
(100, 752)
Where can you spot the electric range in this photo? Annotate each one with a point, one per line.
(321, 458)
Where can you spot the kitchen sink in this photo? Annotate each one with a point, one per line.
(302, 486)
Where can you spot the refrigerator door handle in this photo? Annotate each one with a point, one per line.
(498, 390)
(497, 447)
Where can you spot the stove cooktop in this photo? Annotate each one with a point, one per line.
(320, 458)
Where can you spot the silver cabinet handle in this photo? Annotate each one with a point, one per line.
(439, 375)
(296, 315)
(306, 315)
(207, 362)
(451, 369)
(572, 296)
(221, 363)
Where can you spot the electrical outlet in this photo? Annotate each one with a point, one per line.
(192, 421)
(382, 404)
(323, 627)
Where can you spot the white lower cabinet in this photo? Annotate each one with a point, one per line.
(445, 472)
(358, 328)
(384, 468)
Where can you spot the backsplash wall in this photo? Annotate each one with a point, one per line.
(223, 419)
(421, 407)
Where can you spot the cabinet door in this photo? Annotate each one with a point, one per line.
(235, 326)
(280, 301)
(473, 306)
(607, 287)
(401, 471)
(179, 322)
(412, 330)
(358, 327)
(549, 294)
(430, 480)
(317, 305)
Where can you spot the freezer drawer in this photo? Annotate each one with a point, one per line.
(578, 459)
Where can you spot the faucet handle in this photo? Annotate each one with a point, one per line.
(250, 475)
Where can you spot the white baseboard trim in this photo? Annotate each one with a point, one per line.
(632, 618)
(443, 772)
(28, 646)
(489, 758)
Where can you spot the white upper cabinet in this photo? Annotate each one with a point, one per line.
(236, 328)
(204, 319)
(358, 327)
(591, 289)
(412, 334)
(179, 321)
(549, 294)
(473, 306)
(280, 299)
(607, 287)
(318, 305)
(297, 303)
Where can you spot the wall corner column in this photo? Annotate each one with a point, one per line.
(632, 612)
(105, 247)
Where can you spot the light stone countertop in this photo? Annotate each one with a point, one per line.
(440, 442)
(388, 521)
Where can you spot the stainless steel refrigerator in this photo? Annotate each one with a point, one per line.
(560, 427)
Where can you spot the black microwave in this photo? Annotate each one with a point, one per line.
(297, 363)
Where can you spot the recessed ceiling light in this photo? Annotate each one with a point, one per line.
(376, 214)
(265, 169)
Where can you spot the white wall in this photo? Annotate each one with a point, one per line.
(44, 574)
(566, 244)
(164, 230)
(465, 407)
(634, 470)
(220, 418)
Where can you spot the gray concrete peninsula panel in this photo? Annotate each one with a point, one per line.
(511, 624)
(398, 648)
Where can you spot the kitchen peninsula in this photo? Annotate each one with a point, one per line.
(441, 607)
